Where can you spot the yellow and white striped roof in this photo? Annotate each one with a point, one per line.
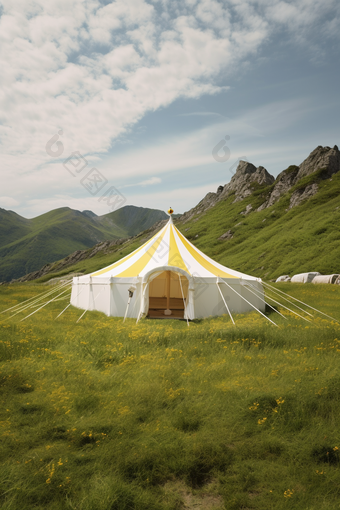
(168, 248)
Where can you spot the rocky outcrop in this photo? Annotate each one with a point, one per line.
(246, 175)
(208, 201)
(284, 181)
(242, 184)
(321, 158)
(247, 210)
(228, 235)
(302, 194)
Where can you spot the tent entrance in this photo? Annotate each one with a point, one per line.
(165, 296)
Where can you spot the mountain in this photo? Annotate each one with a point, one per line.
(255, 224)
(248, 180)
(268, 227)
(27, 245)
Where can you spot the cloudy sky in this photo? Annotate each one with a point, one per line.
(104, 104)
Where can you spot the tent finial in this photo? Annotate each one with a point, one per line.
(170, 211)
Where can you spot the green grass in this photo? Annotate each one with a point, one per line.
(105, 415)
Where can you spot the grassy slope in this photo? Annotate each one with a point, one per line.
(106, 415)
(13, 227)
(27, 245)
(274, 241)
(100, 260)
(52, 236)
(266, 243)
(133, 219)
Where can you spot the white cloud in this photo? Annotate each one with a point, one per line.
(150, 182)
(194, 150)
(147, 182)
(95, 70)
(173, 161)
(142, 66)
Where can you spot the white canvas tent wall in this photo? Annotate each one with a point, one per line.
(325, 278)
(304, 277)
(205, 286)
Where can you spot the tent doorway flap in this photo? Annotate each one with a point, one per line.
(165, 295)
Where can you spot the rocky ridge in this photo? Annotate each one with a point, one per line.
(324, 160)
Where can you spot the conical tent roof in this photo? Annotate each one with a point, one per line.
(168, 248)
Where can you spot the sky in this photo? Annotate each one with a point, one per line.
(153, 103)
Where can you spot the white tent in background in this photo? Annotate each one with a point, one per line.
(325, 278)
(283, 278)
(167, 277)
(304, 277)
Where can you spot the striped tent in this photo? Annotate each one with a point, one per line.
(167, 277)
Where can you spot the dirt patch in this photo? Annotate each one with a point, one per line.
(205, 499)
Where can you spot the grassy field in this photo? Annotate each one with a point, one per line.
(106, 415)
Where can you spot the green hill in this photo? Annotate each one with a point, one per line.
(131, 220)
(27, 245)
(256, 224)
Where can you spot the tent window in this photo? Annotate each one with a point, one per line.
(165, 294)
